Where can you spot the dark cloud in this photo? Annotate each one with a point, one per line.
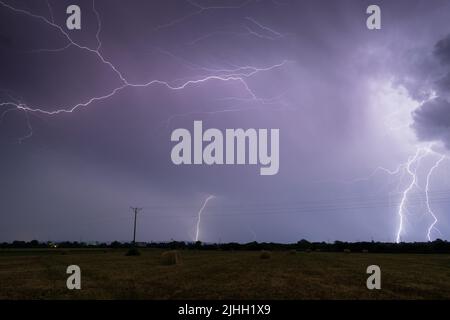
(432, 121)
(5, 41)
(432, 118)
(442, 50)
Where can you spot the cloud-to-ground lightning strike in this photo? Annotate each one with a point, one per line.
(413, 173)
(199, 216)
(410, 168)
(427, 188)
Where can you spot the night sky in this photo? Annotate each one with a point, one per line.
(87, 115)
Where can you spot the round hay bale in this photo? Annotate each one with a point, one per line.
(292, 251)
(265, 254)
(169, 258)
(365, 251)
(347, 250)
(308, 250)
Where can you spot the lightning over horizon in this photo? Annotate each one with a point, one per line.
(420, 153)
(415, 160)
(427, 188)
(199, 216)
(86, 117)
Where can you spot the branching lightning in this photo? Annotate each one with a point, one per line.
(270, 33)
(99, 26)
(427, 188)
(199, 216)
(415, 161)
(234, 73)
(413, 173)
(239, 74)
(410, 167)
(50, 11)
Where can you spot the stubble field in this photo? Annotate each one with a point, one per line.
(109, 274)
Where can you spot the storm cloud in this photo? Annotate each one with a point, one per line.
(432, 121)
(432, 118)
(73, 176)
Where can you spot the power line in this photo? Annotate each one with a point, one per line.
(136, 211)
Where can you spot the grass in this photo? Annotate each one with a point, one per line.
(109, 274)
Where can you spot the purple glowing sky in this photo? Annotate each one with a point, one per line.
(347, 100)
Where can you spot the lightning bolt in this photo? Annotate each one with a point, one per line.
(410, 167)
(270, 33)
(427, 188)
(199, 216)
(420, 153)
(389, 96)
(239, 74)
(50, 11)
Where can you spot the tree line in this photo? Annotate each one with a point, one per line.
(437, 246)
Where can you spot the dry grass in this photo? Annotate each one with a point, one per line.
(41, 274)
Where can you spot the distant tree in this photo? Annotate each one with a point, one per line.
(19, 244)
(34, 243)
(115, 244)
(198, 245)
(303, 244)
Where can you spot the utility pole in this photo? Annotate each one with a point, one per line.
(136, 211)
